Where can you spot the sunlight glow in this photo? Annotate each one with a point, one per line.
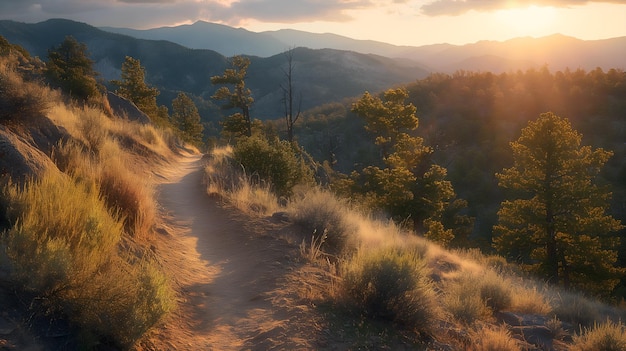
(530, 21)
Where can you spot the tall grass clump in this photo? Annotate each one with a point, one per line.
(124, 191)
(575, 308)
(131, 195)
(20, 100)
(607, 336)
(463, 300)
(493, 339)
(226, 178)
(325, 216)
(392, 284)
(63, 249)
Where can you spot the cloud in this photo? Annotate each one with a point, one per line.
(459, 7)
(147, 13)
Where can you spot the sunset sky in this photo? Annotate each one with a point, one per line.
(402, 22)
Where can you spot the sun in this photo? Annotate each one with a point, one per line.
(529, 21)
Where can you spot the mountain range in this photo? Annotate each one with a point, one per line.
(557, 51)
(320, 76)
(327, 67)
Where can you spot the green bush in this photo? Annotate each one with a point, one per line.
(392, 284)
(278, 162)
(63, 249)
(608, 336)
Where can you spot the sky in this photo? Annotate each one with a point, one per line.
(400, 22)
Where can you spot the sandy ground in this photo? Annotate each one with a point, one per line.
(237, 278)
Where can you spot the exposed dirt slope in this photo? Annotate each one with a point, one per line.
(237, 278)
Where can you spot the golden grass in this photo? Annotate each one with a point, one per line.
(63, 247)
(493, 339)
(67, 242)
(608, 336)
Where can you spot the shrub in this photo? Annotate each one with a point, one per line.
(93, 127)
(19, 99)
(463, 300)
(608, 336)
(494, 339)
(530, 300)
(128, 193)
(280, 163)
(321, 213)
(576, 309)
(392, 284)
(63, 250)
(495, 291)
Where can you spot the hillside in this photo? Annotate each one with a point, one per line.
(556, 51)
(116, 236)
(322, 76)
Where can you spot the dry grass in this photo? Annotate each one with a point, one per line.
(608, 336)
(63, 249)
(392, 284)
(493, 339)
(224, 179)
(20, 100)
(67, 245)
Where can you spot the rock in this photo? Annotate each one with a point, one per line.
(19, 159)
(125, 108)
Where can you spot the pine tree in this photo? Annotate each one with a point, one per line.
(70, 68)
(133, 87)
(557, 224)
(411, 187)
(240, 97)
(186, 118)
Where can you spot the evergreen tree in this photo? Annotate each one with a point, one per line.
(410, 187)
(239, 97)
(70, 68)
(557, 224)
(186, 118)
(133, 87)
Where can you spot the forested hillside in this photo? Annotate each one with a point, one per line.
(470, 118)
(322, 75)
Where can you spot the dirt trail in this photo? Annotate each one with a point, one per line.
(234, 275)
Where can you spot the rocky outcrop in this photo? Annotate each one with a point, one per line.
(19, 159)
(125, 108)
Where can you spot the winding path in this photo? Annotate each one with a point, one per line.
(233, 274)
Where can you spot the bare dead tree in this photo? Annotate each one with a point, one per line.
(289, 95)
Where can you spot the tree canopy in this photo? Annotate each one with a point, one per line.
(556, 223)
(133, 87)
(186, 118)
(240, 97)
(410, 187)
(70, 68)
